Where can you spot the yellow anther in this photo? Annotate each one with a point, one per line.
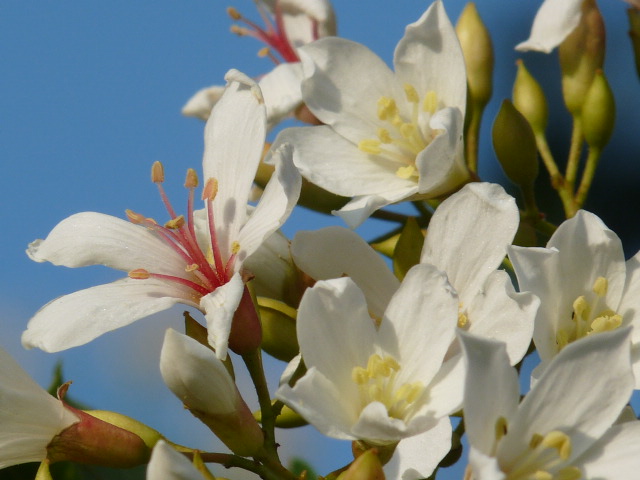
(581, 308)
(541, 475)
(560, 441)
(408, 130)
(134, 217)
(370, 146)
(359, 375)
(387, 108)
(411, 94)
(409, 392)
(264, 52)
(191, 181)
(500, 428)
(384, 135)
(157, 172)
(210, 189)
(233, 13)
(600, 286)
(139, 274)
(536, 439)
(192, 268)
(462, 319)
(235, 248)
(406, 172)
(238, 30)
(562, 339)
(430, 102)
(569, 473)
(606, 322)
(175, 223)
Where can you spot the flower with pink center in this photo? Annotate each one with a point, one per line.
(195, 260)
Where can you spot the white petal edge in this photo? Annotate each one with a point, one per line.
(168, 464)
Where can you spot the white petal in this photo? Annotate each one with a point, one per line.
(581, 392)
(322, 404)
(303, 17)
(440, 165)
(328, 160)
(615, 456)
(343, 82)
(420, 323)
(335, 251)
(335, 331)
(219, 307)
(273, 267)
(416, 457)
(275, 205)
(468, 236)
(359, 208)
(196, 376)
(168, 464)
(90, 238)
(484, 467)
(29, 416)
(446, 390)
(281, 90)
(499, 313)
(234, 140)
(429, 57)
(202, 102)
(78, 318)
(376, 426)
(491, 389)
(555, 20)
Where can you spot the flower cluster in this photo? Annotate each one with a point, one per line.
(399, 345)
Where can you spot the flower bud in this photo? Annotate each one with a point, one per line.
(530, 100)
(634, 34)
(148, 435)
(287, 418)
(279, 338)
(246, 331)
(581, 54)
(366, 467)
(598, 112)
(478, 54)
(515, 145)
(200, 380)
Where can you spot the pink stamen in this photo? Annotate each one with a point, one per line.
(182, 281)
(217, 257)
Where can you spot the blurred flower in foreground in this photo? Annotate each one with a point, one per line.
(289, 24)
(567, 426)
(383, 380)
(176, 263)
(168, 464)
(389, 136)
(584, 285)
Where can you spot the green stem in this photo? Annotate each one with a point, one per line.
(390, 216)
(253, 362)
(530, 206)
(472, 138)
(425, 213)
(557, 180)
(573, 162)
(587, 176)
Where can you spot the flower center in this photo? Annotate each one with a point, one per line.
(403, 136)
(274, 33)
(203, 272)
(545, 459)
(589, 317)
(377, 383)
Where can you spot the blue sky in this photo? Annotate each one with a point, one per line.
(91, 97)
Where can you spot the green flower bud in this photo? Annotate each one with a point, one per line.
(530, 100)
(581, 55)
(148, 435)
(279, 337)
(478, 54)
(515, 145)
(598, 112)
(366, 467)
(287, 418)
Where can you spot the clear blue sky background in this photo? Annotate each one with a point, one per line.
(91, 95)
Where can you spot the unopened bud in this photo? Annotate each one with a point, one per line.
(478, 54)
(246, 331)
(279, 338)
(148, 435)
(287, 418)
(366, 467)
(581, 55)
(530, 100)
(515, 145)
(598, 112)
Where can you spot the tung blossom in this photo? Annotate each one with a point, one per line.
(379, 381)
(584, 284)
(568, 427)
(289, 24)
(190, 261)
(388, 136)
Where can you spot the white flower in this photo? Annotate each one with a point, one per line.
(389, 136)
(289, 24)
(167, 464)
(378, 380)
(584, 285)
(29, 417)
(467, 239)
(555, 20)
(178, 262)
(563, 427)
